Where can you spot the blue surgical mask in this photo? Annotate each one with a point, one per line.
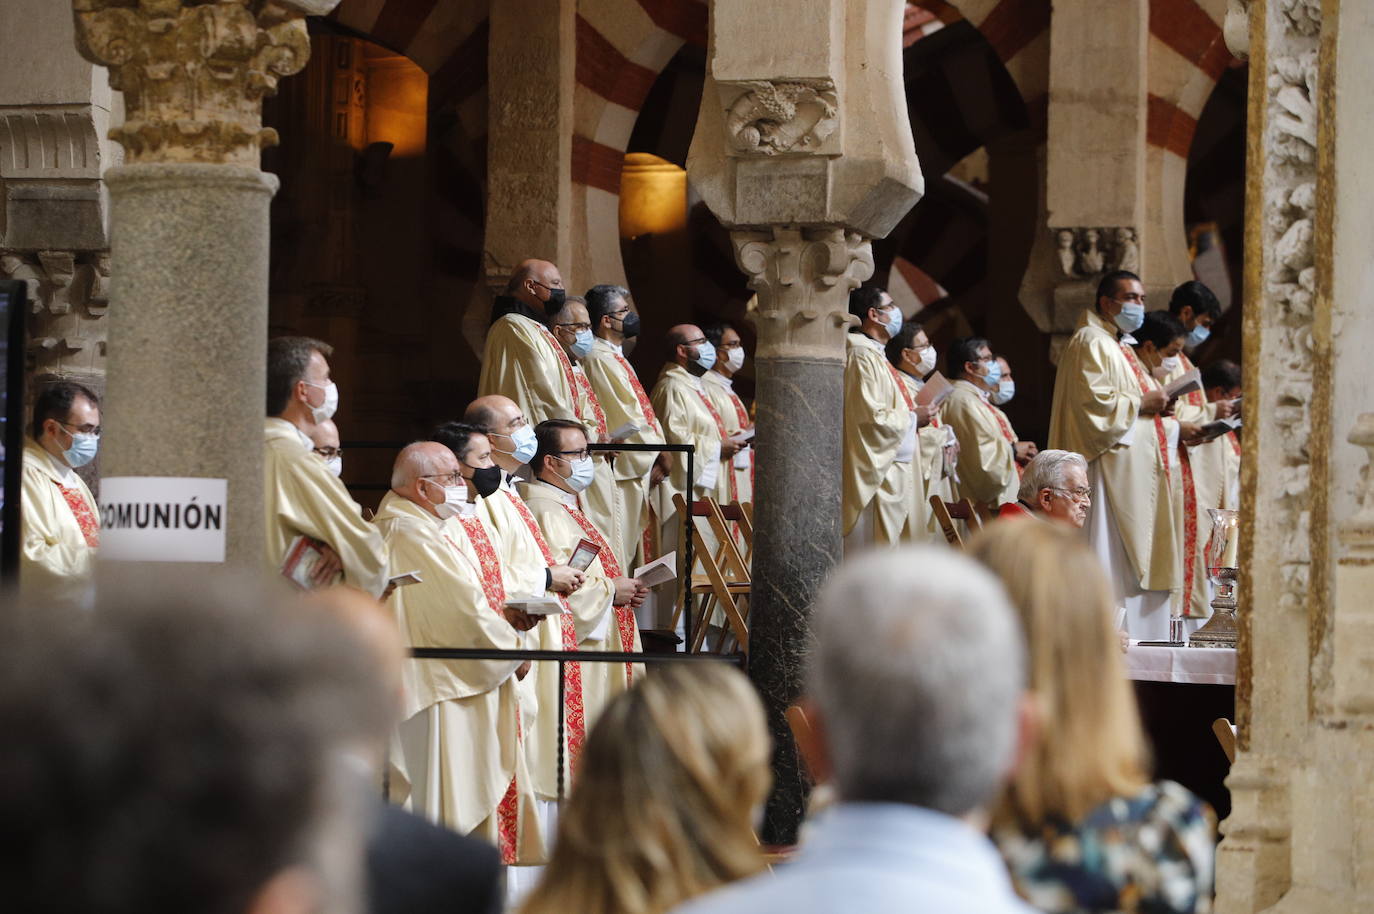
(582, 345)
(706, 355)
(1130, 317)
(894, 323)
(1006, 389)
(1198, 336)
(582, 474)
(82, 450)
(992, 375)
(525, 441)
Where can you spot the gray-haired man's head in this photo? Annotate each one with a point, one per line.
(1055, 484)
(918, 673)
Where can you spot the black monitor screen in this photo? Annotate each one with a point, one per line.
(12, 300)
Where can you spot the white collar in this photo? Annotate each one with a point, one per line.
(871, 343)
(717, 378)
(64, 472)
(568, 498)
(984, 394)
(1127, 339)
(607, 344)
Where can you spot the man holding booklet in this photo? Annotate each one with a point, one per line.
(603, 607)
(1109, 407)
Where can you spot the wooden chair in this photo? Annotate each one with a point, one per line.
(1226, 735)
(726, 591)
(742, 515)
(946, 513)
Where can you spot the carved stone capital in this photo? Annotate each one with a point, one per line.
(803, 277)
(772, 117)
(1087, 252)
(194, 74)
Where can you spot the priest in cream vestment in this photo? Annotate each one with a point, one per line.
(530, 571)
(61, 521)
(521, 359)
(988, 473)
(462, 755)
(912, 354)
(1105, 408)
(736, 483)
(679, 400)
(301, 496)
(603, 608)
(880, 429)
(625, 402)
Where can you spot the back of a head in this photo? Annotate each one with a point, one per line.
(1160, 328)
(287, 359)
(1090, 746)
(1222, 373)
(177, 749)
(918, 670)
(864, 298)
(662, 803)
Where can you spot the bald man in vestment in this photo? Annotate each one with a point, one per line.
(880, 428)
(1105, 407)
(302, 497)
(462, 753)
(521, 359)
(688, 417)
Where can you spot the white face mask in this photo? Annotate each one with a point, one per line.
(1172, 364)
(735, 360)
(927, 363)
(454, 503)
(331, 402)
(335, 464)
(893, 326)
(583, 473)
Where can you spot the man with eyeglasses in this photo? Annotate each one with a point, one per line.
(626, 404)
(688, 418)
(572, 328)
(301, 496)
(880, 428)
(604, 606)
(1104, 408)
(737, 475)
(988, 447)
(61, 521)
(1054, 487)
(327, 447)
(522, 359)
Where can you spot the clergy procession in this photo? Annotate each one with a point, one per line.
(503, 530)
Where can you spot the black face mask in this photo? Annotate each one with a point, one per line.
(554, 303)
(629, 325)
(486, 480)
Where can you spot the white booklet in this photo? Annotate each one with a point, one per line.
(547, 605)
(624, 431)
(936, 390)
(660, 571)
(1185, 383)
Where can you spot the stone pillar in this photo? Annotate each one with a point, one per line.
(803, 150)
(55, 109)
(188, 330)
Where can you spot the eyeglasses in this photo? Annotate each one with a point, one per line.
(550, 288)
(327, 452)
(695, 342)
(448, 479)
(727, 347)
(81, 429)
(1079, 494)
(575, 455)
(576, 327)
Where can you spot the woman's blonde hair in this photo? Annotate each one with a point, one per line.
(663, 800)
(1090, 745)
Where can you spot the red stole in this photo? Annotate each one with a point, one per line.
(624, 616)
(720, 429)
(1143, 380)
(81, 510)
(574, 715)
(645, 404)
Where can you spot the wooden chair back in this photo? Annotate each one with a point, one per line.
(1226, 735)
(718, 589)
(947, 512)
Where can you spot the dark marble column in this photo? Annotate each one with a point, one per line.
(803, 279)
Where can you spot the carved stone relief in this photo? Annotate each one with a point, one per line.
(194, 74)
(768, 117)
(803, 278)
(68, 294)
(1087, 253)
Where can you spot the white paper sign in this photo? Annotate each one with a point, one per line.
(163, 519)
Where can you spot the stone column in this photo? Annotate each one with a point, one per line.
(188, 330)
(803, 150)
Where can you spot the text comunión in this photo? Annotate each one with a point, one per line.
(142, 515)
